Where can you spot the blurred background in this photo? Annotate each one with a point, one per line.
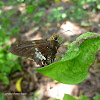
(22, 20)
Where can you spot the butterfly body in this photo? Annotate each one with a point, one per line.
(42, 51)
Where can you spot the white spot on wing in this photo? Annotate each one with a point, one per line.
(36, 49)
(39, 55)
(42, 63)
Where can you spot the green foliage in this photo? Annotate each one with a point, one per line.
(1, 3)
(37, 8)
(38, 16)
(76, 13)
(98, 6)
(57, 14)
(15, 30)
(33, 5)
(83, 97)
(73, 67)
(68, 97)
(8, 64)
(36, 95)
(97, 97)
(30, 8)
(6, 28)
(4, 78)
(94, 4)
(42, 2)
(37, 2)
(21, 1)
(8, 61)
(2, 96)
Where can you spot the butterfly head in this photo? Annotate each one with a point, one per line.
(54, 37)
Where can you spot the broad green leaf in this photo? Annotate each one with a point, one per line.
(68, 97)
(72, 52)
(97, 97)
(74, 66)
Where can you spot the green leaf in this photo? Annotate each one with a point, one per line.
(97, 97)
(1, 3)
(73, 68)
(38, 15)
(98, 6)
(83, 97)
(56, 99)
(4, 78)
(42, 2)
(68, 97)
(72, 52)
(2, 96)
(20, 1)
(8, 61)
(31, 8)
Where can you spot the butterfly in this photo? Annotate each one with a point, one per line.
(42, 51)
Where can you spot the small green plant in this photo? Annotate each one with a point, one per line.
(76, 13)
(30, 8)
(82, 97)
(68, 97)
(2, 96)
(8, 62)
(57, 14)
(97, 97)
(38, 16)
(73, 67)
(93, 4)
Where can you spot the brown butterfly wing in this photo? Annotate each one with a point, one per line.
(41, 51)
(25, 49)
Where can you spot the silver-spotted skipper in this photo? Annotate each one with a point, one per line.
(42, 51)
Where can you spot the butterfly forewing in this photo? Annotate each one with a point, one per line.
(22, 49)
(41, 51)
